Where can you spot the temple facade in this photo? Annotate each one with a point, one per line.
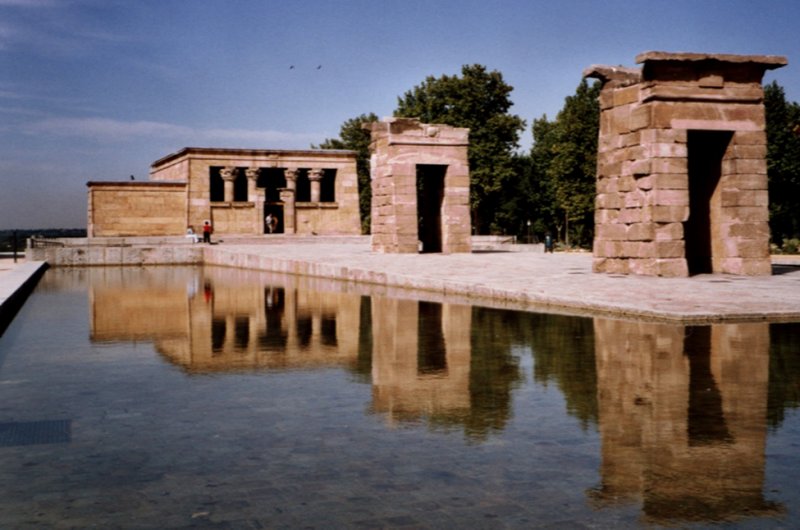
(305, 192)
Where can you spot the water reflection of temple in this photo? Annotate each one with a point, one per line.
(683, 419)
(682, 411)
(418, 355)
(220, 320)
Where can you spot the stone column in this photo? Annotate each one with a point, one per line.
(314, 176)
(228, 175)
(252, 177)
(257, 218)
(287, 198)
(291, 178)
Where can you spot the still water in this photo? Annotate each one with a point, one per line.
(221, 398)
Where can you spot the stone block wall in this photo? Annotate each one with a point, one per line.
(399, 146)
(660, 127)
(136, 209)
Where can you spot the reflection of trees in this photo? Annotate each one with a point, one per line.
(784, 371)
(494, 371)
(563, 348)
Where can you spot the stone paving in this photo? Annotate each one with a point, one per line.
(560, 282)
(536, 281)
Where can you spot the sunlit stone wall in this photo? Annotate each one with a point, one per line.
(399, 146)
(667, 204)
(136, 208)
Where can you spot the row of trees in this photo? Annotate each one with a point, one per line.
(552, 187)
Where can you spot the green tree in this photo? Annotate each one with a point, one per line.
(354, 137)
(478, 100)
(783, 163)
(565, 156)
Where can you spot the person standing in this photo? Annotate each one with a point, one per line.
(270, 222)
(548, 242)
(207, 232)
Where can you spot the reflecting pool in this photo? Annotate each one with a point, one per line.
(174, 397)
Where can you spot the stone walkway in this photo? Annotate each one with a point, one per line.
(560, 282)
(536, 281)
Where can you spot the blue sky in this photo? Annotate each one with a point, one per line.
(99, 89)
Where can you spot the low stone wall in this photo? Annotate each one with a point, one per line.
(95, 255)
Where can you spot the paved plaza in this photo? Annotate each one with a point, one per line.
(560, 282)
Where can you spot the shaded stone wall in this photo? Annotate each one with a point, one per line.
(681, 169)
(400, 146)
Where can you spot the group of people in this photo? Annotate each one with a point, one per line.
(270, 221)
(207, 230)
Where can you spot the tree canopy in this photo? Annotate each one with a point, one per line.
(354, 137)
(479, 100)
(564, 162)
(552, 189)
(783, 163)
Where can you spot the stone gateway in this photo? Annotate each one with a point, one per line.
(420, 187)
(681, 166)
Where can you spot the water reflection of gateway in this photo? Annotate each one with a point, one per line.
(683, 419)
(420, 359)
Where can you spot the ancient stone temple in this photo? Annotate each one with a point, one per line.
(681, 168)
(420, 187)
(305, 191)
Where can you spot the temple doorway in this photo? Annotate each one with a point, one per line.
(273, 211)
(430, 194)
(702, 230)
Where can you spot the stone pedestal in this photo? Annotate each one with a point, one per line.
(681, 167)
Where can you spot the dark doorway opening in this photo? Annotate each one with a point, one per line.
(432, 352)
(240, 186)
(274, 213)
(327, 186)
(216, 186)
(430, 195)
(272, 179)
(706, 420)
(706, 150)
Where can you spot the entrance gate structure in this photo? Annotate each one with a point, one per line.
(681, 166)
(420, 187)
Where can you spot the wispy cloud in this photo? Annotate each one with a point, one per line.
(111, 131)
(29, 3)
